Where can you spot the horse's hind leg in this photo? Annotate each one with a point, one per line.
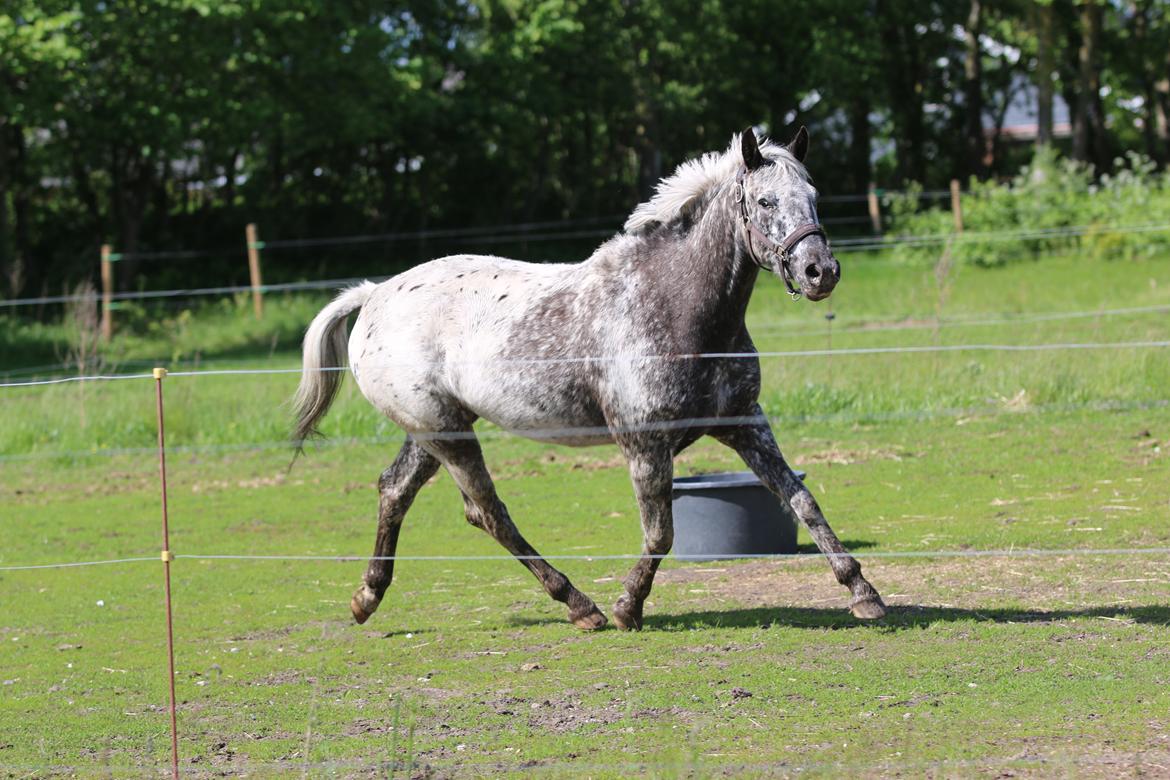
(757, 446)
(464, 460)
(397, 488)
(652, 472)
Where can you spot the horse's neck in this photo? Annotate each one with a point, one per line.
(710, 261)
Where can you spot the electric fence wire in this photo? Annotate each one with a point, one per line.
(634, 357)
(841, 246)
(1011, 552)
(845, 326)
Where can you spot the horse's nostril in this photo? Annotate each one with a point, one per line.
(812, 272)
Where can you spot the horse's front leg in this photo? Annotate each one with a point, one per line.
(652, 472)
(757, 446)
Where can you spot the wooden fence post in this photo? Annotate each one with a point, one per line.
(956, 205)
(254, 247)
(875, 211)
(107, 293)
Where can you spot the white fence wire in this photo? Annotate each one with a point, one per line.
(636, 357)
(840, 246)
(1012, 552)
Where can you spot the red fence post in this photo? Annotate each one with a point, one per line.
(167, 557)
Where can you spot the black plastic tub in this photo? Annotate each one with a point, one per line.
(730, 515)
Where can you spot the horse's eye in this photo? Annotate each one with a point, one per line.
(765, 203)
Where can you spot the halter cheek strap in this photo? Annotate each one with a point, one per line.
(783, 250)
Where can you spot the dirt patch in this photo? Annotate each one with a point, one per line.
(896, 325)
(569, 712)
(276, 480)
(278, 678)
(836, 456)
(110, 483)
(1042, 582)
(583, 460)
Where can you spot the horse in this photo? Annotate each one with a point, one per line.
(642, 345)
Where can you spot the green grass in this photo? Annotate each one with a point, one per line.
(1044, 666)
(245, 410)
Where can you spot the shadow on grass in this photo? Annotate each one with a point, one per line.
(852, 545)
(898, 618)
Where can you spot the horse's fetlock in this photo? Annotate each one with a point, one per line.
(558, 586)
(848, 571)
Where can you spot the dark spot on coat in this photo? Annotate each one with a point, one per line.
(502, 297)
(412, 289)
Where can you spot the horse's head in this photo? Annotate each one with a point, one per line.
(778, 206)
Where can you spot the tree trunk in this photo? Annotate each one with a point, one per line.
(21, 187)
(1045, 69)
(1089, 142)
(973, 90)
(131, 189)
(1162, 111)
(6, 254)
(1153, 122)
(903, 78)
(860, 144)
(996, 142)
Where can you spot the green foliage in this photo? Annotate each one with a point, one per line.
(171, 124)
(1054, 205)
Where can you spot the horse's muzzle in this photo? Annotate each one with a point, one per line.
(818, 273)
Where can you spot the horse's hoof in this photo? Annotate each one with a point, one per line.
(590, 621)
(626, 618)
(363, 604)
(868, 608)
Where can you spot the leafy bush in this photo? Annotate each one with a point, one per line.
(1053, 205)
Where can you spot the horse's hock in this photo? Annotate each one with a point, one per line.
(728, 515)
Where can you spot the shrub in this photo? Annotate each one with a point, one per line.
(1053, 205)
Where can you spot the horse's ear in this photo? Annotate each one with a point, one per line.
(798, 146)
(752, 158)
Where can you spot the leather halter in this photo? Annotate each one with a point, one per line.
(783, 250)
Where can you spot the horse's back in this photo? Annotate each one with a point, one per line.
(443, 337)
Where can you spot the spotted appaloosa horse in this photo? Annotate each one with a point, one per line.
(642, 345)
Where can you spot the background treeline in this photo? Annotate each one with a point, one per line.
(169, 124)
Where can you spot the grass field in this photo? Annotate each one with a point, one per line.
(997, 666)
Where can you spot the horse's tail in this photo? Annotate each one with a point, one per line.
(325, 344)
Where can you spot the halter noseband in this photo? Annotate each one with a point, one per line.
(783, 250)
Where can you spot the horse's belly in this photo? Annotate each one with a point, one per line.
(535, 404)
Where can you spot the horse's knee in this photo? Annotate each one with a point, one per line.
(659, 540)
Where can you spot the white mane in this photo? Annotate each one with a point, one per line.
(695, 178)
